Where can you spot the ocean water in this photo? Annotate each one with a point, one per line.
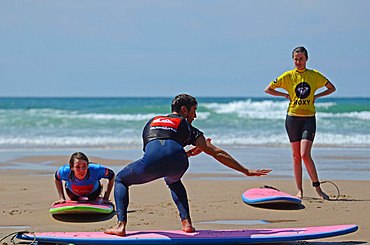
(39, 123)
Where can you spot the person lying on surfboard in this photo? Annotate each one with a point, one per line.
(82, 179)
(164, 140)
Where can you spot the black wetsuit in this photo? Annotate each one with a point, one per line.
(164, 139)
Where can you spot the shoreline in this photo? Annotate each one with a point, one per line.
(139, 146)
(331, 163)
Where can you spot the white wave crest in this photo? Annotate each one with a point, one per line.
(266, 109)
(65, 141)
(362, 115)
(118, 117)
(325, 105)
(327, 139)
(203, 115)
(342, 139)
(237, 140)
(64, 114)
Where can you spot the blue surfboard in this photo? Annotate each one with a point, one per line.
(198, 237)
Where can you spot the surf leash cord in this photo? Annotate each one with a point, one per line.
(14, 234)
(336, 187)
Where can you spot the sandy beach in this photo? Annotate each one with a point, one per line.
(215, 203)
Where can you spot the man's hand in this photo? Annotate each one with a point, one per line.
(258, 172)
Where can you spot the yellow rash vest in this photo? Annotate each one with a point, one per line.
(301, 86)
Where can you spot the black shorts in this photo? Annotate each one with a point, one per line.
(300, 128)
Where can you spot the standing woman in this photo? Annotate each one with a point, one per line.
(301, 85)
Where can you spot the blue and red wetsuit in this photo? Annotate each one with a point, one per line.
(164, 139)
(89, 186)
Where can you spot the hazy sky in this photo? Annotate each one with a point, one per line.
(162, 48)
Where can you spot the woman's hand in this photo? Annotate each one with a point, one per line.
(59, 202)
(107, 202)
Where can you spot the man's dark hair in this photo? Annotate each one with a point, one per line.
(183, 100)
(300, 50)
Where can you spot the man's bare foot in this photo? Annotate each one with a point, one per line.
(299, 194)
(186, 226)
(119, 229)
(322, 194)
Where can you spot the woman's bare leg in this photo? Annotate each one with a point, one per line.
(297, 166)
(306, 147)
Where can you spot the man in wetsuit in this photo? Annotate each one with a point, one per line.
(164, 140)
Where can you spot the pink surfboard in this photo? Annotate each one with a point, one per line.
(198, 237)
(257, 196)
(82, 206)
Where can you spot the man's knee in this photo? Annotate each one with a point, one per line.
(173, 182)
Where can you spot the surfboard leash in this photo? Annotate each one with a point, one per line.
(321, 182)
(14, 234)
(336, 187)
(269, 187)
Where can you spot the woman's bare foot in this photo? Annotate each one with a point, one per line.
(322, 194)
(300, 194)
(119, 229)
(186, 226)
